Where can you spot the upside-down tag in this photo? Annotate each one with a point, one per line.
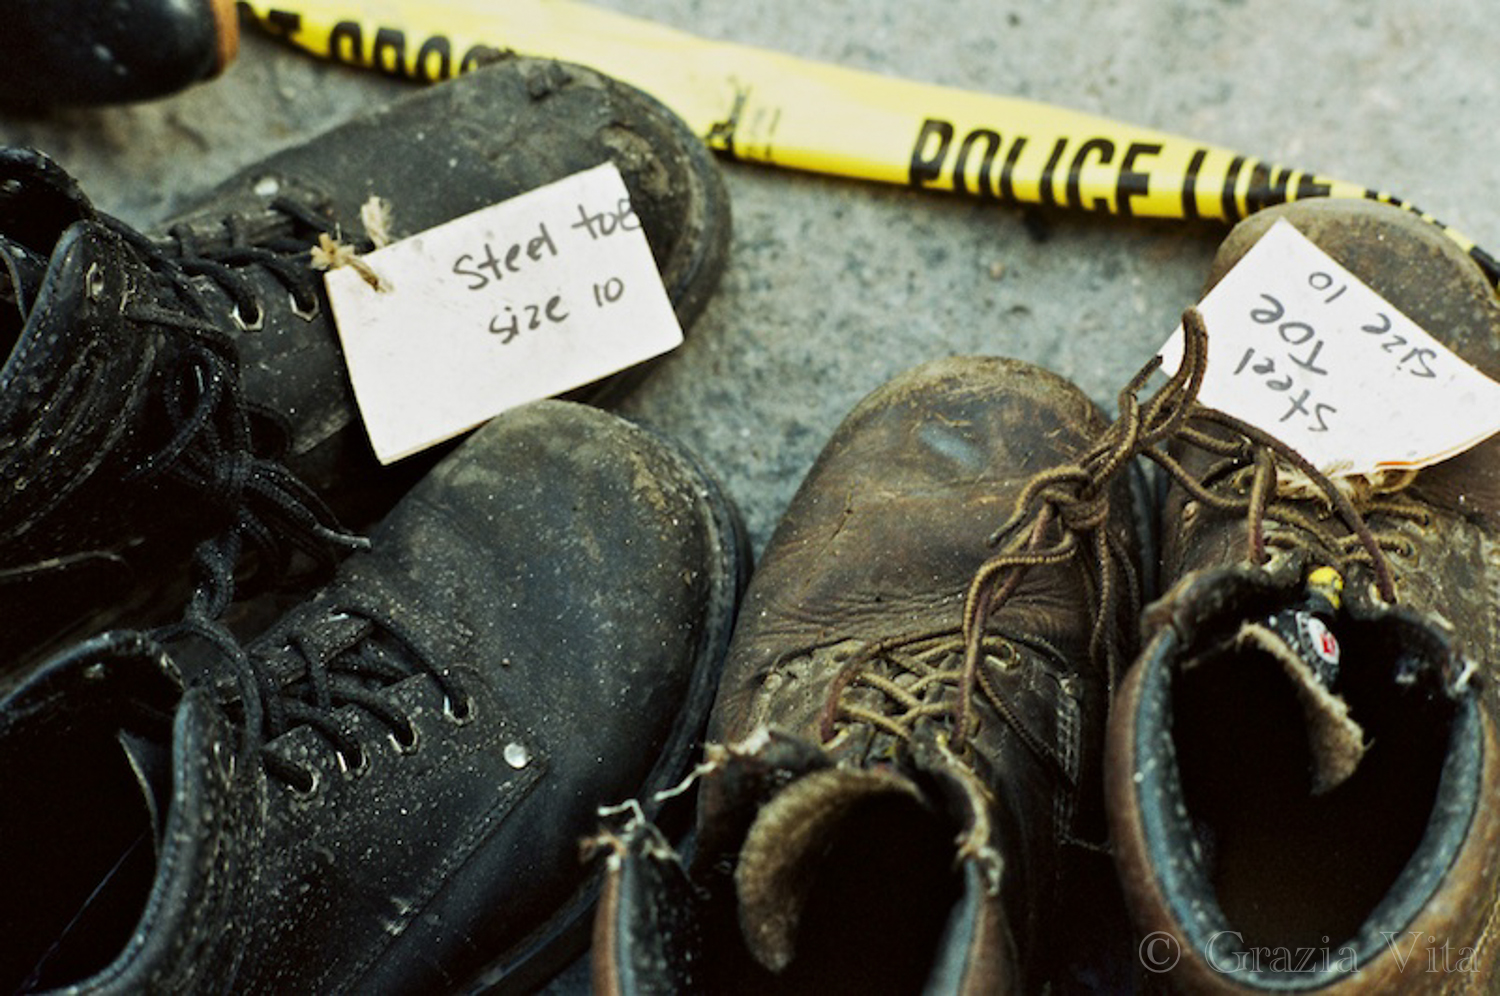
(1302, 349)
(518, 301)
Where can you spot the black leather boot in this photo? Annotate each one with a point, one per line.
(386, 792)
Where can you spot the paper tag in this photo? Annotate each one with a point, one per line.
(518, 301)
(1302, 349)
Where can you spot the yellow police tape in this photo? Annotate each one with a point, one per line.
(764, 106)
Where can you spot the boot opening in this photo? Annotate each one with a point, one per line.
(79, 856)
(1292, 863)
(875, 883)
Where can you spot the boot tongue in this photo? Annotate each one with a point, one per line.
(1302, 642)
(151, 763)
(787, 840)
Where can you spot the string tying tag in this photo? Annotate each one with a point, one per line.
(331, 253)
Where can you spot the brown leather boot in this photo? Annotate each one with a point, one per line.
(905, 750)
(1302, 769)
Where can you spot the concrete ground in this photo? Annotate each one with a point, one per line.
(833, 285)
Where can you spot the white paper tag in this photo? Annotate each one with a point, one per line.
(518, 301)
(1302, 349)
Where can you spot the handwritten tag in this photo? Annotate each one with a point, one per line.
(1301, 348)
(518, 301)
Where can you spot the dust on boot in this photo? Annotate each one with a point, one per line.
(386, 791)
(124, 432)
(144, 369)
(437, 154)
(903, 771)
(1302, 763)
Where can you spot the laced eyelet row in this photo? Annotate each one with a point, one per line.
(404, 743)
(274, 700)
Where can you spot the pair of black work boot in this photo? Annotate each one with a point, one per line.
(384, 788)
(930, 735)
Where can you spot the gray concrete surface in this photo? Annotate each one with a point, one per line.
(834, 286)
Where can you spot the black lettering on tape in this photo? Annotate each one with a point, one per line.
(1394, 201)
(346, 43)
(437, 47)
(1133, 182)
(1487, 263)
(1045, 193)
(1008, 171)
(1190, 185)
(991, 140)
(1260, 178)
(1309, 186)
(1264, 191)
(1106, 153)
(926, 168)
(720, 136)
(1231, 209)
(388, 53)
(477, 56)
(281, 23)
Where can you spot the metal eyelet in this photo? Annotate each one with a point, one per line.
(314, 782)
(94, 282)
(357, 770)
(306, 314)
(224, 760)
(516, 755)
(244, 326)
(463, 715)
(409, 746)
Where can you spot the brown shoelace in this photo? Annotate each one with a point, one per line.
(1064, 512)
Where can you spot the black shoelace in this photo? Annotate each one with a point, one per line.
(272, 514)
(279, 246)
(275, 514)
(271, 700)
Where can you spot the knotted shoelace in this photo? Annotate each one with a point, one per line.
(272, 513)
(1063, 513)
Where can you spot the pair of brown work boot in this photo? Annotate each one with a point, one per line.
(937, 720)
